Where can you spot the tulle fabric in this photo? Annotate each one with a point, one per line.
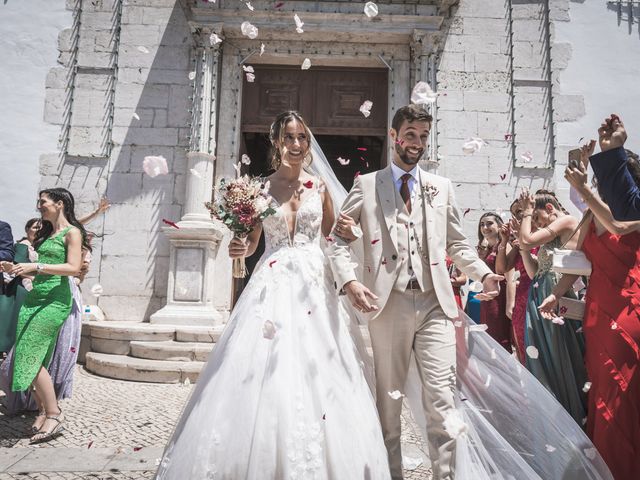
(296, 406)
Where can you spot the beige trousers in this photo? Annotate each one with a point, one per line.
(413, 320)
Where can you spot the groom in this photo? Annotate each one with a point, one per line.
(410, 223)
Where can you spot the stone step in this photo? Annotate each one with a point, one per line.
(171, 351)
(199, 334)
(123, 367)
(131, 331)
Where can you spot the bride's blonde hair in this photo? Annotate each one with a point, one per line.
(276, 136)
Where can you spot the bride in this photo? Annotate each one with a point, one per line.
(284, 394)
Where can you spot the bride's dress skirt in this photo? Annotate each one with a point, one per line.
(294, 406)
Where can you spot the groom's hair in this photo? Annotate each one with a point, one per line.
(410, 113)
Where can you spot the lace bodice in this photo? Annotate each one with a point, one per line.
(306, 226)
(545, 255)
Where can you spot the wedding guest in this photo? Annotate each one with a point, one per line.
(610, 166)
(611, 325)
(59, 243)
(524, 264)
(555, 352)
(458, 279)
(7, 253)
(493, 313)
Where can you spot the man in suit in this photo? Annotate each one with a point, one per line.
(409, 223)
(6, 248)
(610, 167)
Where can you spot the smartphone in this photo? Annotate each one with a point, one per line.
(575, 159)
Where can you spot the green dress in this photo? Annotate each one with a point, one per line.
(11, 302)
(44, 311)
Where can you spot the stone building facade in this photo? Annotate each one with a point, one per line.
(144, 77)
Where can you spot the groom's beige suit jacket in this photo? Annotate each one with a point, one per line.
(372, 203)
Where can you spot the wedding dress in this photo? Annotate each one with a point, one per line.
(283, 394)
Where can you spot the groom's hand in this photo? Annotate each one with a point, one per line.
(490, 287)
(358, 295)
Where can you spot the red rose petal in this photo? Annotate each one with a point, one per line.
(503, 176)
(272, 262)
(309, 312)
(308, 184)
(137, 449)
(362, 149)
(324, 416)
(278, 5)
(357, 174)
(467, 210)
(170, 223)
(329, 239)
(434, 264)
(373, 242)
(90, 443)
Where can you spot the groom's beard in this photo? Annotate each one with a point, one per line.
(402, 153)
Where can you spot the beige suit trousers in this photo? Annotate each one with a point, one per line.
(413, 320)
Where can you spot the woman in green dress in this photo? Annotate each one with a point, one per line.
(59, 245)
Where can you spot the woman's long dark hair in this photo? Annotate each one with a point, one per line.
(61, 195)
(499, 221)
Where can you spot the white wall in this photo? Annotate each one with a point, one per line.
(604, 68)
(28, 49)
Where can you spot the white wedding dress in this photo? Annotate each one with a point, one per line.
(283, 394)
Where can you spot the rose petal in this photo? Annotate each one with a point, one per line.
(476, 287)
(586, 387)
(343, 161)
(97, 290)
(308, 184)
(306, 64)
(487, 382)
(154, 165)
(192, 75)
(532, 352)
(357, 174)
(614, 326)
(558, 320)
(170, 223)
(422, 94)
(493, 354)
(527, 157)
(365, 108)
(186, 382)
(249, 30)
(370, 9)
(480, 327)
(396, 395)
(591, 453)
(143, 49)
(550, 448)
(473, 145)
(249, 6)
(250, 77)
(272, 262)
(136, 116)
(195, 173)
(248, 68)
(214, 39)
(467, 210)
(299, 23)
(508, 137)
(373, 242)
(268, 330)
(262, 47)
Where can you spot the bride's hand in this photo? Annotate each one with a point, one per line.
(238, 247)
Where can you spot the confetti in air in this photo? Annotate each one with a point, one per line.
(558, 320)
(299, 23)
(527, 157)
(195, 173)
(248, 68)
(249, 6)
(422, 94)
(365, 108)
(396, 395)
(532, 352)
(136, 116)
(308, 184)
(343, 161)
(586, 387)
(170, 223)
(96, 290)
(473, 145)
(192, 75)
(550, 448)
(370, 9)
(271, 263)
(143, 49)
(250, 77)
(248, 30)
(214, 39)
(306, 65)
(262, 47)
(154, 165)
(268, 330)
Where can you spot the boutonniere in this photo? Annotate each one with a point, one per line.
(429, 192)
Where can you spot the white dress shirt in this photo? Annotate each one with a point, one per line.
(397, 173)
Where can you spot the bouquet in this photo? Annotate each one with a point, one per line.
(241, 204)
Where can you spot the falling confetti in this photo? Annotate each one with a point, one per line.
(249, 6)
(272, 262)
(268, 330)
(308, 184)
(137, 449)
(586, 387)
(248, 68)
(422, 94)
(214, 39)
(306, 65)
(343, 161)
(373, 242)
(370, 9)
(503, 176)
(170, 223)
(90, 443)
(466, 210)
(357, 174)
(473, 145)
(411, 463)
(96, 290)
(527, 157)
(155, 165)
(245, 159)
(365, 108)
(249, 30)
(136, 116)
(532, 352)
(508, 137)
(278, 5)
(262, 47)
(614, 326)
(143, 49)
(591, 453)
(481, 327)
(299, 23)
(396, 395)
(192, 75)
(362, 149)
(476, 287)
(550, 448)
(558, 320)
(250, 77)
(384, 261)
(329, 239)
(186, 382)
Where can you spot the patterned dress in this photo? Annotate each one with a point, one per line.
(44, 311)
(557, 360)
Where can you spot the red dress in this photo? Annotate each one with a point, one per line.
(612, 336)
(493, 313)
(456, 290)
(519, 315)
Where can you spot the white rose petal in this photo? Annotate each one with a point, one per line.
(249, 6)
(214, 39)
(614, 326)
(422, 94)
(195, 173)
(268, 330)
(245, 159)
(591, 453)
(558, 320)
(457, 323)
(306, 65)
(550, 448)
(250, 77)
(262, 47)
(586, 387)
(473, 145)
(481, 327)
(186, 382)
(96, 290)
(476, 287)
(192, 75)
(396, 395)
(237, 167)
(154, 165)
(249, 30)
(454, 424)
(248, 68)
(527, 157)
(365, 108)
(370, 9)
(299, 23)
(143, 49)
(343, 161)
(532, 352)
(411, 463)
(136, 116)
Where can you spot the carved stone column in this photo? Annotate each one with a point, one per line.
(194, 245)
(424, 48)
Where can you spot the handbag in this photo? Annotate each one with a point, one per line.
(571, 308)
(572, 262)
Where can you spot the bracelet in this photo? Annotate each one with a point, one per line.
(524, 215)
(39, 268)
(500, 247)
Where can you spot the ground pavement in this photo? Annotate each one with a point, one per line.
(115, 430)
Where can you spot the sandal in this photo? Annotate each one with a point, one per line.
(35, 429)
(45, 436)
